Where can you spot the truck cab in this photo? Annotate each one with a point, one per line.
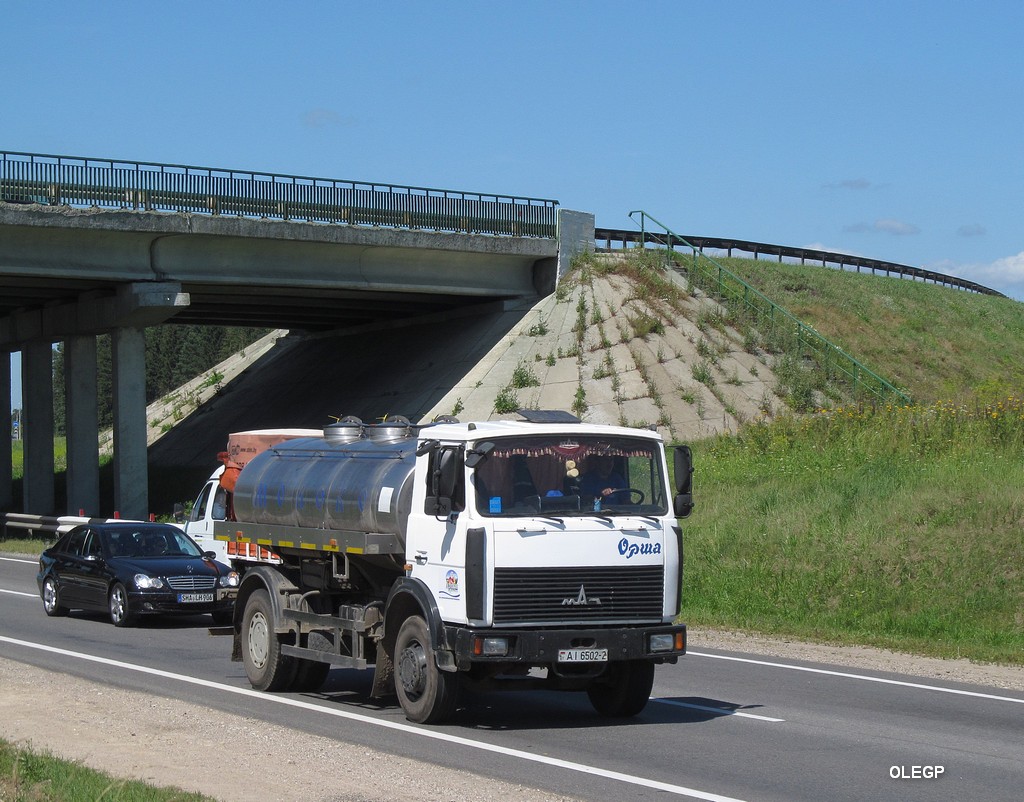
(211, 505)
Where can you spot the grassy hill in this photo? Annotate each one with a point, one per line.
(896, 526)
(936, 343)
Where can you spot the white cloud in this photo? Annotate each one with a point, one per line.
(820, 246)
(856, 183)
(325, 118)
(897, 228)
(971, 230)
(1005, 275)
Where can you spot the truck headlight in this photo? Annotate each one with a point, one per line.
(662, 643)
(490, 647)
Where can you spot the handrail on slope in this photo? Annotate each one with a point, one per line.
(781, 324)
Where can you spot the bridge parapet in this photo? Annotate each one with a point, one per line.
(147, 186)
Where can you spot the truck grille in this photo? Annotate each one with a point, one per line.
(604, 594)
(192, 582)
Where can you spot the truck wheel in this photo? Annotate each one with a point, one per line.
(265, 666)
(427, 694)
(624, 690)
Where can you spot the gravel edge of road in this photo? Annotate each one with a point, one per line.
(150, 737)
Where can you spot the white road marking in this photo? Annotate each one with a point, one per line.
(16, 560)
(721, 711)
(20, 593)
(410, 729)
(863, 677)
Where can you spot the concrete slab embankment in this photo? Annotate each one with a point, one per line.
(580, 349)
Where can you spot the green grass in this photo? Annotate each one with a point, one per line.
(898, 527)
(28, 775)
(938, 343)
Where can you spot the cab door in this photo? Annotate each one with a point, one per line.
(211, 506)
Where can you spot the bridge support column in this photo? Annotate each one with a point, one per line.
(128, 355)
(37, 485)
(6, 472)
(80, 403)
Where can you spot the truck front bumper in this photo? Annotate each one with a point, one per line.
(541, 647)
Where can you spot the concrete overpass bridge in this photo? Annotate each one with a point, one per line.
(93, 246)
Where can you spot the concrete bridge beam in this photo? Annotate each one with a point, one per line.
(139, 304)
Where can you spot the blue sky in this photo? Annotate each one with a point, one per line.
(890, 130)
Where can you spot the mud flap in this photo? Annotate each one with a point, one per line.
(383, 675)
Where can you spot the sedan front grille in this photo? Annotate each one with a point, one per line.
(598, 594)
(192, 582)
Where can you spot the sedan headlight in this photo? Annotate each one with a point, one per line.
(229, 580)
(146, 582)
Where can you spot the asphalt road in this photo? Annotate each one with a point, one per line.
(720, 725)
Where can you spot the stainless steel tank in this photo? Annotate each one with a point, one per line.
(340, 483)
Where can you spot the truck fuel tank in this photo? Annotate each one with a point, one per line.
(335, 482)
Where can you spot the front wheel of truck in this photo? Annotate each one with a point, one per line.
(624, 689)
(265, 666)
(427, 694)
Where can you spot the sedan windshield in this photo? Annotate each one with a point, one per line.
(583, 475)
(151, 542)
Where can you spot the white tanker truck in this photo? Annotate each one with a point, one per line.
(506, 554)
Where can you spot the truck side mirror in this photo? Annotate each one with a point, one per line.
(682, 504)
(474, 456)
(442, 482)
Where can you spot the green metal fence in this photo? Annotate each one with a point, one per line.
(145, 186)
(781, 330)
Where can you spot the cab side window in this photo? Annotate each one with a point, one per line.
(199, 508)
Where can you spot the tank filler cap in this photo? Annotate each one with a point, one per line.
(347, 430)
(394, 427)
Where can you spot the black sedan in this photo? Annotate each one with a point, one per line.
(130, 569)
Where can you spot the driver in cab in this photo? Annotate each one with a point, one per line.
(603, 482)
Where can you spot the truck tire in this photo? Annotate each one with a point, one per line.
(265, 666)
(427, 694)
(624, 689)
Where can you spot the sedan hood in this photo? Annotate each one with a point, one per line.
(170, 566)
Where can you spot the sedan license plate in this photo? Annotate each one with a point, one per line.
(582, 655)
(193, 598)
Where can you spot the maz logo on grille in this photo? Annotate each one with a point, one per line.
(581, 599)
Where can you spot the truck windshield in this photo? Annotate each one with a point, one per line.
(580, 475)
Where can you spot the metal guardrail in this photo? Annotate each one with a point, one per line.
(627, 237)
(147, 186)
(24, 524)
(774, 322)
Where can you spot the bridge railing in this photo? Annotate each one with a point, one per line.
(780, 328)
(147, 186)
(604, 237)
